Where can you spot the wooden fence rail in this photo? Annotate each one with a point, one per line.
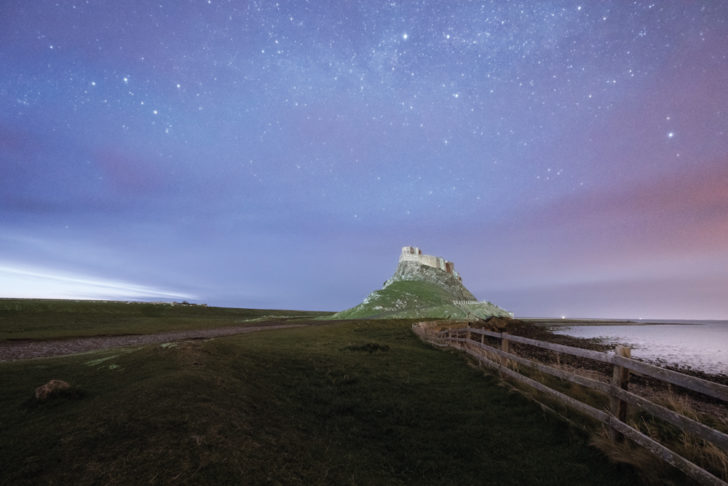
(715, 390)
(472, 341)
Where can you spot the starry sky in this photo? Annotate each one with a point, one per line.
(571, 158)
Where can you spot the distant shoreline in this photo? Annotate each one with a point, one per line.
(616, 322)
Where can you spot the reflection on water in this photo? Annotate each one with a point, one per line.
(700, 345)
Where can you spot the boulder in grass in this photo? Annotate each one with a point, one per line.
(53, 387)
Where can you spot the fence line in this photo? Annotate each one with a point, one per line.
(715, 390)
(500, 359)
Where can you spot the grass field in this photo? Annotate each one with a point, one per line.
(48, 319)
(343, 403)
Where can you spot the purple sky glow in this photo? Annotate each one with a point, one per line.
(571, 158)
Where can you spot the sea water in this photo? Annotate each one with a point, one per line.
(701, 345)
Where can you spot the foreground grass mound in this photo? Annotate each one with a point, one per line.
(47, 319)
(342, 403)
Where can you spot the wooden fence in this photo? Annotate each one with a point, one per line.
(501, 358)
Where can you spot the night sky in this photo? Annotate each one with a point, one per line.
(571, 158)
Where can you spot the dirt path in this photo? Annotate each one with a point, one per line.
(28, 349)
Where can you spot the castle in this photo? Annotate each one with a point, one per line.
(414, 254)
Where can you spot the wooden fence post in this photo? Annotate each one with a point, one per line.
(505, 347)
(620, 379)
(481, 351)
(467, 336)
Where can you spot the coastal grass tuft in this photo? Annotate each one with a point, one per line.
(360, 402)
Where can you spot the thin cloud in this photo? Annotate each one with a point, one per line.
(27, 282)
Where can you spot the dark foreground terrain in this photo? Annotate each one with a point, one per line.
(51, 319)
(362, 402)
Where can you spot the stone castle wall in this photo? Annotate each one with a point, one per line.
(414, 254)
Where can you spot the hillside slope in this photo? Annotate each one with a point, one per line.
(417, 290)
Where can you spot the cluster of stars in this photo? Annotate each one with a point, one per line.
(465, 84)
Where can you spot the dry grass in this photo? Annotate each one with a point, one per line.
(703, 453)
(652, 471)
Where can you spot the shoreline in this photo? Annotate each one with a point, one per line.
(700, 368)
(546, 322)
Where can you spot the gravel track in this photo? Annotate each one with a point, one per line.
(29, 349)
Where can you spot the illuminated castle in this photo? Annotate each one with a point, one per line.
(414, 254)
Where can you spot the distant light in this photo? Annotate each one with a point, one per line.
(670, 134)
(156, 112)
(37, 282)
(93, 83)
(126, 79)
(179, 85)
(405, 36)
(563, 317)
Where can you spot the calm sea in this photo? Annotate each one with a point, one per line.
(700, 345)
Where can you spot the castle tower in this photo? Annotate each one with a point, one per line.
(414, 254)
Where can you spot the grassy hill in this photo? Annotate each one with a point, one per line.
(45, 319)
(419, 291)
(361, 402)
(415, 298)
